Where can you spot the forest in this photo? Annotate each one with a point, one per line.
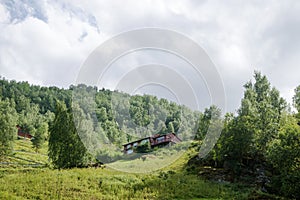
(84, 124)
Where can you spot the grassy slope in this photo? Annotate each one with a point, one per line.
(20, 182)
(25, 156)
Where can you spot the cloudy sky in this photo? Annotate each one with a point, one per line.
(46, 42)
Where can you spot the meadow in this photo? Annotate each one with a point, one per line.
(20, 180)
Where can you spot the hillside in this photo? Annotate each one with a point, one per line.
(29, 177)
(26, 180)
(255, 157)
(25, 156)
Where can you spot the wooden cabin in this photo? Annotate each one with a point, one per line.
(23, 134)
(154, 141)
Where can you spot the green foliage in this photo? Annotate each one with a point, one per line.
(108, 154)
(40, 136)
(269, 106)
(256, 125)
(99, 115)
(109, 184)
(24, 156)
(236, 141)
(261, 130)
(263, 133)
(24, 94)
(8, 119)
(284, 151)
(33, 105)
(143, 148)
(206, 119)
(171, 127)
(65, 147)
(284, 155)
(296, 98)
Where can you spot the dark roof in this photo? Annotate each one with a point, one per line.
(152, 137)
(137, 141)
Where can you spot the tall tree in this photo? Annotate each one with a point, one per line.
(65, 147)
(40, 136)
(205, 120)
(8, 129)
(257, 122)
(265, 108)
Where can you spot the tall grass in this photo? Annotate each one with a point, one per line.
(23, 182)
(108, 184)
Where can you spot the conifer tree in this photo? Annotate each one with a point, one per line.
(65, 147)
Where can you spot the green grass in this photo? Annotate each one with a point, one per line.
(108, 184)
(171, 182)
(151, 163)
(25, 156)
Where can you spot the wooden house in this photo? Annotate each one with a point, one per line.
(23, 134)
(154, 141)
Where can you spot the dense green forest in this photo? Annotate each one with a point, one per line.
(261, 139)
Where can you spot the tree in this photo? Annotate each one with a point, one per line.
(171, 127)
(40, 136)
(29, 119)
(236, 141)
(263, 106)
(210, 115)
(65, 147)
(296, 99)
(284, 155)
(258, 122)
(8, 129)
(85, 126)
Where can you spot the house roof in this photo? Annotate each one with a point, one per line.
(152, 137)
(136, 141)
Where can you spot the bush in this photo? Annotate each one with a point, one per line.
(143, 148)
(108, 156)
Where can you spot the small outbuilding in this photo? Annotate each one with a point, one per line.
(23, 134)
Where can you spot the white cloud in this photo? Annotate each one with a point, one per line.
(46, 53)
(4, 15)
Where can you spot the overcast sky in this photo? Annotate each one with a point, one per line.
(46, 42)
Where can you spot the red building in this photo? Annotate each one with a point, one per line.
(23, 134)
(154, 141)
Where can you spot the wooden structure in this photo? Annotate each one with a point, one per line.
(23, 134)
(154, 141)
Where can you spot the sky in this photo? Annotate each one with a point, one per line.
(46, 42)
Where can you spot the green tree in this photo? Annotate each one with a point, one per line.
(263, 106)
(85, 126)
(171, 127)
(8, 129)
(284, 155)
(40, 136)
(30, 118)
(296, 99)
(236, 142)
(210, 114)
(65, 147)
(256, 125)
